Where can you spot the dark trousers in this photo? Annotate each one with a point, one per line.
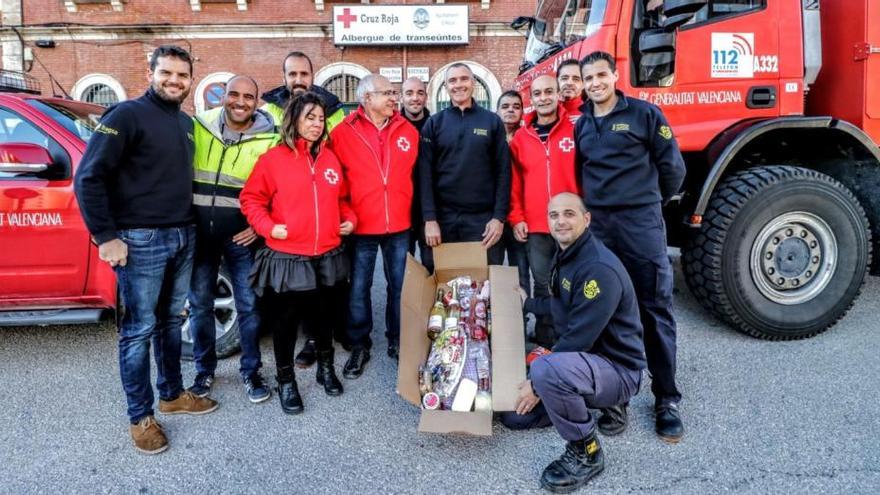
(570, 383)
(540, 249)
(360, 308)
(516, 256)
(536, 418)
(468, 227)
(153, 285)
(238, 260)
(417, 238)
(637, 235)
(287, 310)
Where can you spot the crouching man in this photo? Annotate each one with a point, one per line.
(599, 355)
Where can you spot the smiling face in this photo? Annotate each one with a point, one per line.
(414, 96)
(599, 81)
(571, 83)
(171, 79)
(310, 125)
(460, 85)
(240, 101)
(568, 218)
(545, 96)
(298, 75)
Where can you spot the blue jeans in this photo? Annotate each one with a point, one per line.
(360, 308)
(153, 284)
(238, 260)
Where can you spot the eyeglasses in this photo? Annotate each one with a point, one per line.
(390, 93)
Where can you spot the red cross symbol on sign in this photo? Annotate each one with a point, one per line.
(566, 144)
(346, 18)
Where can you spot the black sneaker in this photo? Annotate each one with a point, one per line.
(668, 422)
(256, 390)
(201, 386)
(354, 367)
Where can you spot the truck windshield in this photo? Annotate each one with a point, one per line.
(559, 23)
(78, 118)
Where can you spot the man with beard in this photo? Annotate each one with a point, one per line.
(134, 187)
(571, 87)
(228, 140)
(464, 167)
(414, 95)
(298, 76)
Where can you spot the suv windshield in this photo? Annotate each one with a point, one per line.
(558, 23)
(77, 118)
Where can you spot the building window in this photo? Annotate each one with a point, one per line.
(210, 90)
(487, 89)
(481, 95)
(341, 79)
(344, 87)
(100, 89)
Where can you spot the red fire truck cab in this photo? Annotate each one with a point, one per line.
(776, 107)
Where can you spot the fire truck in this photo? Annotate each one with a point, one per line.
(50, 272)
(776, 108)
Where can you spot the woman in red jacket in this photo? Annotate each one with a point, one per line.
(297, 200)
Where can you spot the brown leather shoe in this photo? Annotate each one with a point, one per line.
(188, 403)
(148, 436)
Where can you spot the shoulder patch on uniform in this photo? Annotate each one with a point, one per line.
(620, 127)
(566, 284)
(591, 289)
(481, 132)
(665, 132)
(105, 129)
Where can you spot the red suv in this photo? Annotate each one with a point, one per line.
(49, 269)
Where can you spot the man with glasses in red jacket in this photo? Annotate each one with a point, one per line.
(378, 149)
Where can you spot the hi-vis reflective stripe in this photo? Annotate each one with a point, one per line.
(223, 179)
(222, 201)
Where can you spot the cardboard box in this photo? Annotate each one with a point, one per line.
(507, 341)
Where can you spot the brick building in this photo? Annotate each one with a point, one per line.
(96, 50)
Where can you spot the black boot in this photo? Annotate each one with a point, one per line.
(326, 373)
(354, 367)
(307, 355)
(581, 461)
(613, 420)
(668, 422)
(288, 393)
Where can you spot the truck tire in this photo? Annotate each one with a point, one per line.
(225, 321)
(782, 253)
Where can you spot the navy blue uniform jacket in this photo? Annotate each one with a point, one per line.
(593, 304)
(628, 157)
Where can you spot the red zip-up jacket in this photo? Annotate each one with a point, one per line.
(573, 107)
(308, 195)
(380, 179)
(540, 170)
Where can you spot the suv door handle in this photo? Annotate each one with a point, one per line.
(761, 97)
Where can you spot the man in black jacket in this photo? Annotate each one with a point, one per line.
(134, 187)
(413, 96)
(629, 165)
(599, 356)
(464, 170)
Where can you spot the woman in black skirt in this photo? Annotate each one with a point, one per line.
(297, 200)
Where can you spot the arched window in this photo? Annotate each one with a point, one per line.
(100, 89)
(481, 95)
(344, 87)
(209, 92)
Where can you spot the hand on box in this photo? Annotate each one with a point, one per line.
(432, 233)
(523, 295)
(527, 398)
(492, 233)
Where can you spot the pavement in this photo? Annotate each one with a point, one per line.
(760, 417)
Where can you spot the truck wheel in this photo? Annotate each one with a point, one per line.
(225, 321)
(782, 253)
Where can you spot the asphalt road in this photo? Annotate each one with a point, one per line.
(761, 417)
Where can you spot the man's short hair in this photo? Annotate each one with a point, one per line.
(510, 93)
(296, 54)
(568, 61)
(457, 65)
(596, 56)
(172, 51)
(365, 85)
(243, 76)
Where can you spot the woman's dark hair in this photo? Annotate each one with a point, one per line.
(296, 108)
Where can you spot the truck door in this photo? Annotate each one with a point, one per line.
(710, 68)
(43, 241)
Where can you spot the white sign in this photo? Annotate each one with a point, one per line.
(733, 54)
(393, 74)
(400, 25)
(421, 72)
